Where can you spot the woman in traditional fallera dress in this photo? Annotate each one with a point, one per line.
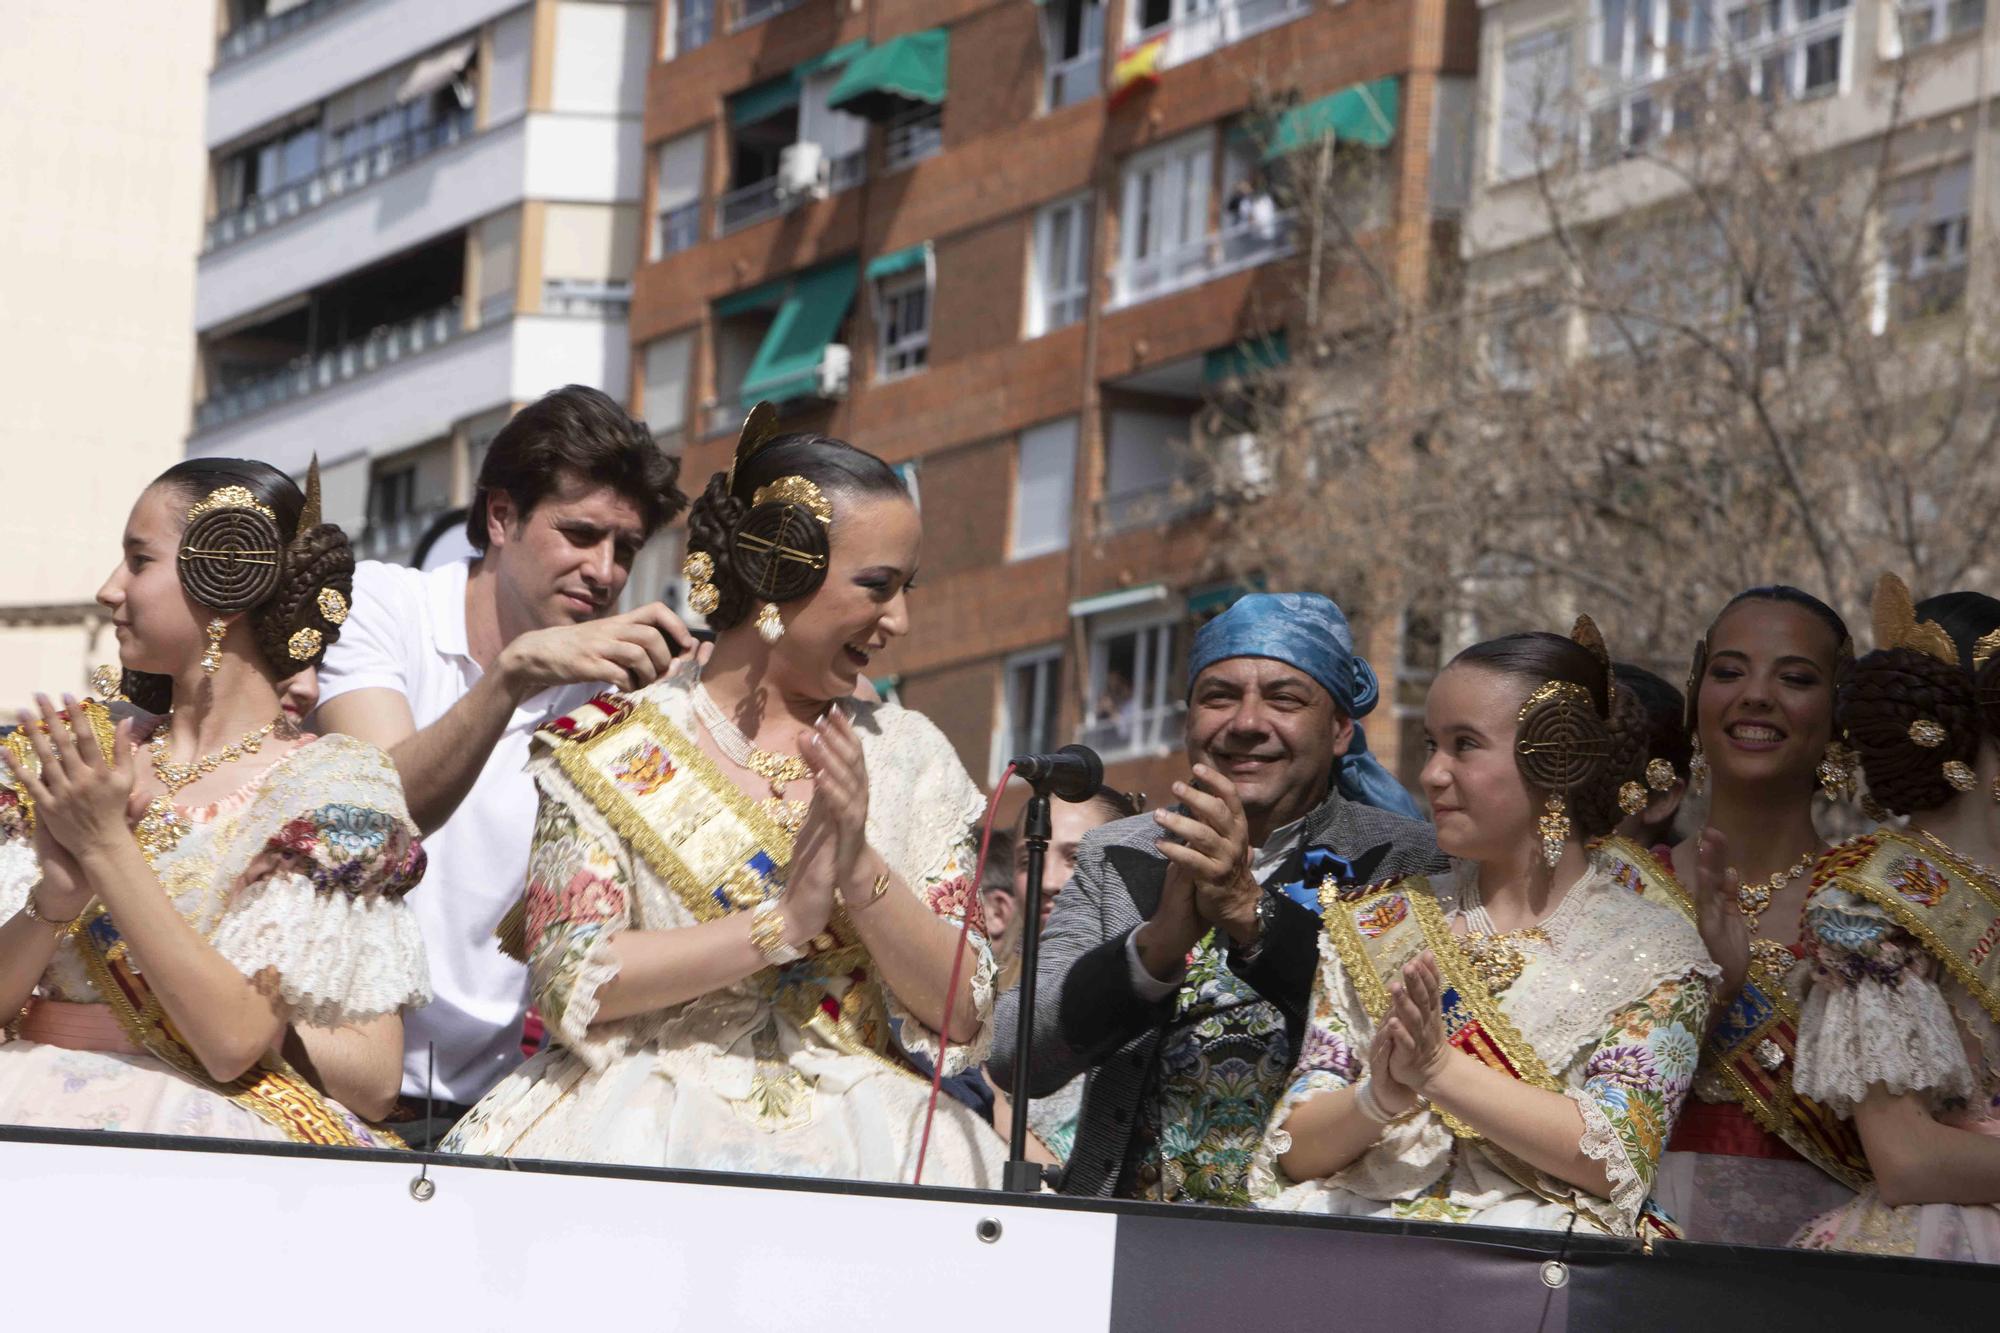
(233, 962)
(1900, 1026)
(746, 891)
(1751, 1160)
(1509, 1046)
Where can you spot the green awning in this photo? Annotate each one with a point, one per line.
(1363, 114)
(764, 100)
(764, 296)
(834, 59)
(1215, 598)
(787, 364)
(886, 80)
(1251, 357)
(898, 261)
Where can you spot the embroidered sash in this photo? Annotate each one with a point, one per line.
(1931, 893)
(272, 1091)
(720, 854)
(1379, 929)
(1753, 1047)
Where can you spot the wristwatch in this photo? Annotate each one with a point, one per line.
(1251, 952)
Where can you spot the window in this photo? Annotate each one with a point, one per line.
(1029, 706)
(1059, 280)
(1194, 28)
(1134, 704)
(842, 138)
(905, 326)
(1146, 458)
(677, 191)
(693, 27)
(392, 496)
(1534, 104)
(1926, 22)
(266, 168)
(1926, 225)
(912, 136)
(1163, 225)
(1073, 51)
(666, 383)
(1524, 337)
(1044, 477)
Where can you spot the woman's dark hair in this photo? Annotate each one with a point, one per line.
(1785, 594)
(1666, 706)
(575, 432)
(1118, 804)
(840, 470)
(1890, 690)
(1612, 739)
(288, 600)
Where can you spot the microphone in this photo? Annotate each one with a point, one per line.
(1073, 773)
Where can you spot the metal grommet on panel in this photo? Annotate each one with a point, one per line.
(1555, 1273)
(423, 1189)
(988, 1230)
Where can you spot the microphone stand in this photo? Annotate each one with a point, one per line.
(1022, 1176)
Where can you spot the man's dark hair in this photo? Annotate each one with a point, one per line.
(576, 432)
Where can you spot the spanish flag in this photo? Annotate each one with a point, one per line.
(1137, 68)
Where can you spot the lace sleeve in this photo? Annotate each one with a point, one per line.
(1327, 1061)
(953, 894)
(579, 898)
(1635, 1080)
(1873, 1011)
(320, 909)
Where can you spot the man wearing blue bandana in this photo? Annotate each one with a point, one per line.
(1178, 962)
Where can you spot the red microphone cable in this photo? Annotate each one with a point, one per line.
(972, 909)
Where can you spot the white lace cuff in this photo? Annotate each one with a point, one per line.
(587, 977)
(338, 958)
(918, 1038)
(1601, 1144)
(1266, 1178)
(1856, 1033)
(20, 871)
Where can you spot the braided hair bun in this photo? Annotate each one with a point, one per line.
(302, 619)
(1907, 714)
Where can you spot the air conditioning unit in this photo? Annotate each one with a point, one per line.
(1241, 465)
(802, 172)
(836, 364)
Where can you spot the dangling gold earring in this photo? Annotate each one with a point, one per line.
(1698, 769)
(769, 628)
(1836, 773)
(1555, 830)
(212, 658)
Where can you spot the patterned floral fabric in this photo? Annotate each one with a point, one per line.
(791, 1070)
(298, 880)
(1612, 996)
(1222, 1066)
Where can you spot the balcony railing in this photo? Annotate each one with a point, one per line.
(1077, 79)
(1136, 731)
(246, 38)
(911, 137)
(677, 229)
(599, 300)
(1149, 506)
(341, 178)
(1238, 246)
(762, 200)
(308, 375)
(1195, 35)
(395, 539)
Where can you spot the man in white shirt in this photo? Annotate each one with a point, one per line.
(451, 670)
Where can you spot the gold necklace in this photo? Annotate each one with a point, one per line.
(1499, 959)
(174, 776)
(776, 769)
(1773, 958)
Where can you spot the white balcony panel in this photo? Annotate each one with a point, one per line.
(586, 159)
(419, 398)
(430, 198)
(348, 45)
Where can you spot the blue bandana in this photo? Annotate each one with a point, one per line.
(1308, 631)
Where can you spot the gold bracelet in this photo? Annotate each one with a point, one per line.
(880, 887)
(34, 913)
(767, 932)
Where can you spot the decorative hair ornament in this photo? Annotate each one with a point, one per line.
(1632, 798)
(1837, 768)
(304, 644)
(699, 570)
(333, 606)
(1986, 650)
(1896, 624)
(1660, 774)
(1928, 733)
(796, 491)
(1561, 742)
(758, 428)
(1960, 775)
(231, 556)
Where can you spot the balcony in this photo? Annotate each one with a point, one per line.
(597, 300)
(1136, 731)
(763, 200)
(395, 539)
(332, 182)
(382, 347)
(695, 26)
(1234, 248)
(245, 38)
(1195, 35)
(677, 230)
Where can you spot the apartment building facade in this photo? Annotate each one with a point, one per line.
(421, 214)
(1025, 252)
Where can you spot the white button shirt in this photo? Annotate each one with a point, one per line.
(407, 633)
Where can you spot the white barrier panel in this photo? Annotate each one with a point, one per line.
(157, 1239)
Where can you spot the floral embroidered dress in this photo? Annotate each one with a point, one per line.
(1602, 1001)
(1750, 1161)
(298, 880)
(793, 1070)
(1901, 992)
